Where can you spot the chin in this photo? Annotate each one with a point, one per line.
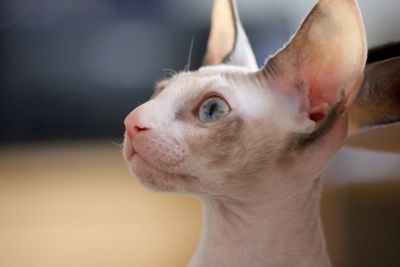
(154, 178)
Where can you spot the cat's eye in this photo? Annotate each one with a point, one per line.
(213, 109)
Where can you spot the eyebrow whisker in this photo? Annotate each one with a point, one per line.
(187, 67)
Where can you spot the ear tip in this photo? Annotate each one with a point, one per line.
(228, 43)
(328, 52)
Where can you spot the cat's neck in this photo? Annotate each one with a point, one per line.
(282, 228)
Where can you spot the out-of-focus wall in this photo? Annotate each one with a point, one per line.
(73, 69)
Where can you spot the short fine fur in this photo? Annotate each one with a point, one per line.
(257, 167)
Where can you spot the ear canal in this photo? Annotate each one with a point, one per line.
(324, 61)
(228, 42)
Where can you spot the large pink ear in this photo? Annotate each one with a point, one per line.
(228, 42)
(325, 59)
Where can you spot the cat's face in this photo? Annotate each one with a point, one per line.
(226, 131)
(215, 131)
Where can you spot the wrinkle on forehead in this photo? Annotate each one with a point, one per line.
(204, 72)
(188, 84)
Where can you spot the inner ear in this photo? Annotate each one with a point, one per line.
(318, 113)
(228, 43)
(324, 123)
(324, 61)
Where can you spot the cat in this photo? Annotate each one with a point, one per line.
(252, 142)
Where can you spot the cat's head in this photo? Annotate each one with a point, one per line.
(231, 126)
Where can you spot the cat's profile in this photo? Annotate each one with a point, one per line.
(252, 142)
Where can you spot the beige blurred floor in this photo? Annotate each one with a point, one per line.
(76, 205)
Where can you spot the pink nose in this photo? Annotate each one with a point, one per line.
(133, 127)
(134, 130)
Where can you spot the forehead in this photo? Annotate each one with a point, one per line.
(204, 76)
(213, 77)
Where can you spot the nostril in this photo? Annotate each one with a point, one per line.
(140, 129)
(133, 130)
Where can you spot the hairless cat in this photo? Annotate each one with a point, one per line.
(252, 142)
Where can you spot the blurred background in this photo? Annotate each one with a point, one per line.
(70, 71)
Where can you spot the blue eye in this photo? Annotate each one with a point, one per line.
(213, 109)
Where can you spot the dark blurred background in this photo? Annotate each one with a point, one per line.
(70, 71)
(73, 69)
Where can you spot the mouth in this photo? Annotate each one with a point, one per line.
(152, 176)
(140, 165)
(130, 151)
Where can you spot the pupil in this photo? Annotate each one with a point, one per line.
(212, 109)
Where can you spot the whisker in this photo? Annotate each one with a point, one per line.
(187, 67)
(119, 145)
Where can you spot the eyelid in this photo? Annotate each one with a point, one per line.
(205, 98)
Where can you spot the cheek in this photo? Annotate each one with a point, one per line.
(164, 151)
(236, 154)
(216, 148)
